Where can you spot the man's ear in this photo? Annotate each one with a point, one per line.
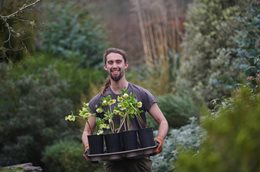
(126, 65)
(105, 67)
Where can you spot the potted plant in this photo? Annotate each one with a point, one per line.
(121, 137)
(118, 136)
(96, 141)
(127, 108)
(112, 138)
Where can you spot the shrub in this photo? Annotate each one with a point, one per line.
(208, 60)
(248, 44)
(79, 80)
(66, 156)
(32, 109)
(35, 95)
(72, 32)
(178, 107)
(186, 137)
(232, 142)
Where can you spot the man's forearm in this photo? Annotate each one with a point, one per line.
(89, 126)
(85, 138)
(163, 129)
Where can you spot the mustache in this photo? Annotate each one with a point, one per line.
(115, 69)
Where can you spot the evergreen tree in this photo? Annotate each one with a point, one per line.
(209, 62)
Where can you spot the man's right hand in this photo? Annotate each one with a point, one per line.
(85, 154)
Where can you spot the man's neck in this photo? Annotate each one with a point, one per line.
(117, 86)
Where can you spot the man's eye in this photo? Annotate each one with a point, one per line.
(118, 61)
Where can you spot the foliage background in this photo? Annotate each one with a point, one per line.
(207, 50)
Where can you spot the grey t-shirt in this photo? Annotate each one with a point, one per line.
(140, 93)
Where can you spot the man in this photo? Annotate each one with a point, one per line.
(115, 63)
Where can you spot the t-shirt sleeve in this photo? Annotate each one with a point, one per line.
(93, 104)
(148, 99)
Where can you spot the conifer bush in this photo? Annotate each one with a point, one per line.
(209, 61)
(72, 32)
(66, 156)
(232, 142)
(178, 108)
(185, 138)
(31, 108)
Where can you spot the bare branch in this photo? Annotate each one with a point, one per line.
(5, 18)
(19, 10)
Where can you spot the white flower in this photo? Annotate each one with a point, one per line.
(112, 101)
(125, 95)
(104, 102)
(70, 118)
(99, 110)
(139, 104)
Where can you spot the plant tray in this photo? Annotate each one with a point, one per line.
(148, 151)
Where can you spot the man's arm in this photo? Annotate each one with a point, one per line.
(89, 127)
(158, 116)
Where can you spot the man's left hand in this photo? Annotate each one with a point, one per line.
(160, 141)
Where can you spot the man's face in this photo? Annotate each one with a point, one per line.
(115, 66)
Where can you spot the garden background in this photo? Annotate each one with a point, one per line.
(201, 58)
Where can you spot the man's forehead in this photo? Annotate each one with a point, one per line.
(114, 56)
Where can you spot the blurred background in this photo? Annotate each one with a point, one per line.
(200, 58)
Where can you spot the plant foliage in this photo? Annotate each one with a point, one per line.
(72, 32)
(17, 28)
(179, 107)
(232, 142)
(248, 44)
(66, 156)
(178, 140)
(31, 110)
(209, 62)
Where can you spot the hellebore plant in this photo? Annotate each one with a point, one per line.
(106, 108)
(127, 107)
(84, 113)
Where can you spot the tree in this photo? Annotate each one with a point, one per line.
(17, 29)
(248, 44)
(72, 32)
(208, 60)
(161, 26)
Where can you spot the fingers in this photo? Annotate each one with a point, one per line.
(85, 155)
(159, 140)
(86, 147)
(158, 149)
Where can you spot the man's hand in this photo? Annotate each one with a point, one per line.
(160, 141)
(86, 149)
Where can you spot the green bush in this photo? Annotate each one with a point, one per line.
(248, 44)
(179, 107)
(232, 142)
(79, 80)
(32, 109)
(208, 60)
(186, 137)
(72, 33)
(66, 156)
(35, 95)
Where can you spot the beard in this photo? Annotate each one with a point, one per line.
(117, 77)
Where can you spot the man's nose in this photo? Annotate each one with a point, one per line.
(114, 65)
